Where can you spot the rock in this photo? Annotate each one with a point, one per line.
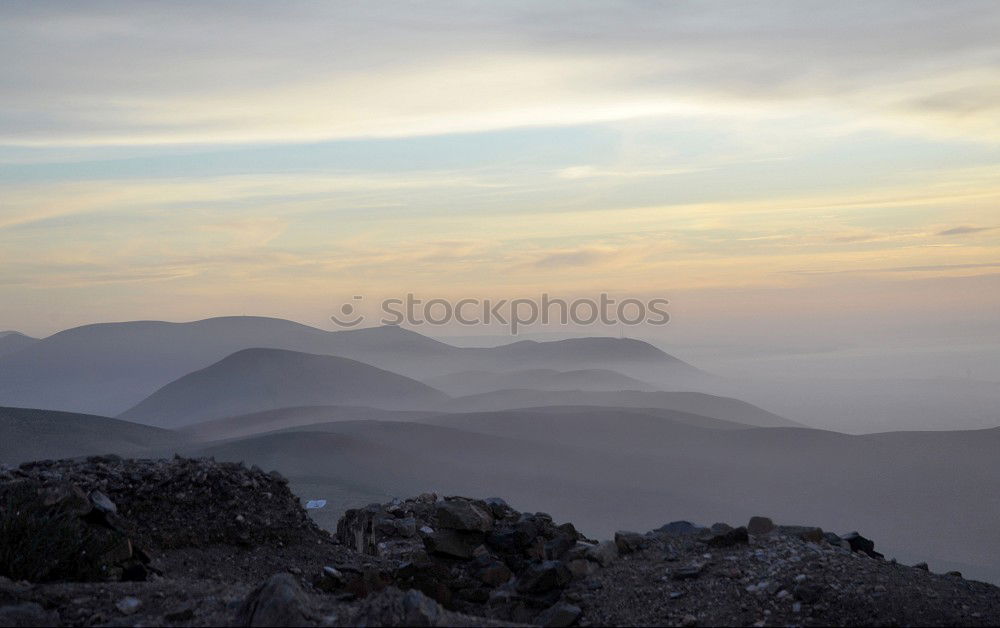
(494, 574)
(688, 572)
(759, 526)
(859, 543)
(27, 614)
(807, 592)
(558, 615)
(331, 579)
(629, 542)
(184, 614)
(954, 574)
(128, 605)
(689, 620)
(459, 514)
(581, 568)
(453, 543)
(278, 602)
(720, 528)
(922, 567)
(498, 507)
(833, 539)
(806, 533)
(680, 528)
(729, 537)
(102, 502)
(419, 609)
(604, 553)
(543, 577)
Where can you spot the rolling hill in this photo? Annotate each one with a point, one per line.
(255, 380)
(28, 434)
(474, 382)
(725, 408)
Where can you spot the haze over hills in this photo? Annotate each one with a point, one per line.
(474, 382)
(108, 368)
(296, 416)
(657, 471)
(254, 380)
(724, 408)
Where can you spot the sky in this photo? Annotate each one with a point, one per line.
(811, 174)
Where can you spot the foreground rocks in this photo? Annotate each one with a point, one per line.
(195, 542)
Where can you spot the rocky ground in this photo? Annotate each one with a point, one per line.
(106, 541)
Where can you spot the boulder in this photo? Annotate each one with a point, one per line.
(806, 533)
(629, 542)
(278, 602)
(453, 543)
(463, 515)
(680, 528)
(859, 543)
(759, 526)
(558, 615)
(728, 538)
(604, 553)
(543, 577)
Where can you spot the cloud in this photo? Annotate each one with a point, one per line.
(963, 230)
(575, 259)
(101, 73)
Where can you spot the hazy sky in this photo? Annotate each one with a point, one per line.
(809, 165)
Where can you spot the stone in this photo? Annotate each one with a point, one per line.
(419, 609)
(759, 526)
(689, 620)
(806, 533)
(280, 601)
(184, 614)
(680, 528)
(27, 614)
(494, 574)
(559, 615)
(922, 567)
(629, 542)
(453, 543)
(128, 605)
(728, 538)
(954, 574)
(604, 553)
(462, 515)
(859, 543)
(102, 502)
(688, 572)
(543, 577)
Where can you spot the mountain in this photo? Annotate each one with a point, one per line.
(27, 434)
(109, 367)
(724, 408)
(473, 382)
(13, 341)
(254, 380)
(294, 417)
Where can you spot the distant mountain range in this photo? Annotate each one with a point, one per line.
(109, 367)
